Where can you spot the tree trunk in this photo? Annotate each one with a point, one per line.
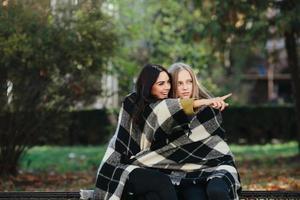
(3, 88)
(291, 48)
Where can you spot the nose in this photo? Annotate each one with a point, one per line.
(184, 86)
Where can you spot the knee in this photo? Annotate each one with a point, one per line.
(217, 189)
(194, 192)
(216, 193)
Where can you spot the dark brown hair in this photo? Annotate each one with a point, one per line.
(145, 81)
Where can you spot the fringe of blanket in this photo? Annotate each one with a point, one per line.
(86, 194)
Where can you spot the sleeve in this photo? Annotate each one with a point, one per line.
(187, 105)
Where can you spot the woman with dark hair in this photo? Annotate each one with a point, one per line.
(144, 157)
(116, 169)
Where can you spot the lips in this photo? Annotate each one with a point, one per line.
(186, 94)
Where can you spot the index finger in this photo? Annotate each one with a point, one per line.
(226, 96)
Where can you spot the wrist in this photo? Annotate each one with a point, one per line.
(199, 102)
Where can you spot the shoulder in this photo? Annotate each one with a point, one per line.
(166, 106)
(167, 102)
(130, 98)
(129, 103)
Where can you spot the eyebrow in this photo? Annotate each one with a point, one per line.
(162, 81)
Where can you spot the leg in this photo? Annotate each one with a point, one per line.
(150, 182)
(151, 196)
(193, 192)
(217, 189)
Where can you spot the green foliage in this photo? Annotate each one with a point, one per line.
(161, 32)
(239, 31)
(66, 62)
(47, 62)
(219, 39)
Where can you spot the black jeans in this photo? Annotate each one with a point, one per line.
(147, 184)
(215, 189)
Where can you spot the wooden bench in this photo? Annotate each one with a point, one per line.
(247, 195)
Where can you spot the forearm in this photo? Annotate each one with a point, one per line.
(197, 103)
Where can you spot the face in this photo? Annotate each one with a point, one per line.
(184, 85)
(162, 86)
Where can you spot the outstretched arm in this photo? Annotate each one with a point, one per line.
(217, 102)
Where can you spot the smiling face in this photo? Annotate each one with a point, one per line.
(184, 85)
(162, 86)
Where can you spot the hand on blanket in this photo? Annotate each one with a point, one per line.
(217, 102)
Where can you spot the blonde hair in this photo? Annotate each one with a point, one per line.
(199, 91)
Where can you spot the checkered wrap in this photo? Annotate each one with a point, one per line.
(189, 150)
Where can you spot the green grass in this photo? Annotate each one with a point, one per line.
(81, 158)
(62, 159)
(251, 152)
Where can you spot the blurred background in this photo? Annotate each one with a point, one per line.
(65, 66)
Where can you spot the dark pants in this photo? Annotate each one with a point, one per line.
(215, 189)
(147, 184)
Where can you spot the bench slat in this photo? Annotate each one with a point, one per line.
(292, 195)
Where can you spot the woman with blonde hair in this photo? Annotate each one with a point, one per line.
(218, 177)
(198, 91)
(189, 87)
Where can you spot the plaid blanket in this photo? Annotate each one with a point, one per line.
(188, 149)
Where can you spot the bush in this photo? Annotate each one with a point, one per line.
(90, 127)
(251, 125)
(259, 124)
(45, 66)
